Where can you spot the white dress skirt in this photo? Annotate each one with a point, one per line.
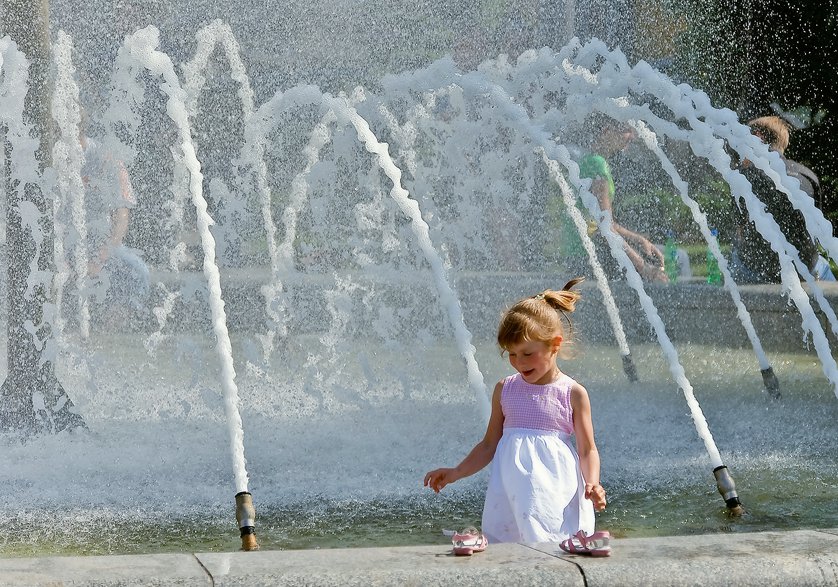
(536, 492)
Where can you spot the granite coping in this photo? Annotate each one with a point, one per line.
(798, 557)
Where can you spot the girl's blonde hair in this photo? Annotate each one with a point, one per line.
(538, 318)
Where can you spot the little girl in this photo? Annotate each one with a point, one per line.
(540, 489)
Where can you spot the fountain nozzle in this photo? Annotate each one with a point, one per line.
(246, 517)
(772, 385)
(629, 368)
(727, 488)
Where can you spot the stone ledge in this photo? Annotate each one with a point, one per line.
(798, 557)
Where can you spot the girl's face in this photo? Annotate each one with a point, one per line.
(535, 360)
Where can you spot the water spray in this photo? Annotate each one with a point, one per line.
(246, 518)
(601, 279)
(727, 489)
(346, 113)
(555, 154)
(142, 47)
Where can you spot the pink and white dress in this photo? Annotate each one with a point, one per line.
(536, 492)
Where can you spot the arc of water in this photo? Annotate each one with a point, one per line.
(516, 114)
(452, 150)
(650, 139)
(418, 119)
(346, 112)
(407, 133)
(596, 266)
(444, 73)
(282, 262)
(258, 124)
(142, 46)
(282, 256)
(122, 119)
(209, 37)
(20, 155)
(634, 280)
(683, 105)
(68, 159)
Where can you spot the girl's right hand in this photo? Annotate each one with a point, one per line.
(439, 478)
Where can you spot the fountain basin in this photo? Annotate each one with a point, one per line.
(337, 465)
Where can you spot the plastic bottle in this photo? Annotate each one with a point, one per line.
(714, 276)
(670, 258)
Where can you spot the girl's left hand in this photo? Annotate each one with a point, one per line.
(596, 493)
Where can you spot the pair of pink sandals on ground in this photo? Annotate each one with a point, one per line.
(471, 540)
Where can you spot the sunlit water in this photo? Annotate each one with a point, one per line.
(341, 424)
(344, 467)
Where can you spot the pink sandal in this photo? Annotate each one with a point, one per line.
(468, 542)
(597, 544)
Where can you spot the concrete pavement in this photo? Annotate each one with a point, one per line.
(801, 557)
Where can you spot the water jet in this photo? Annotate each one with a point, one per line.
(364, 241)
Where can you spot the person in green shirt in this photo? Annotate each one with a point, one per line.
(609, 138)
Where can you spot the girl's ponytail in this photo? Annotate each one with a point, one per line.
(563, 300)
(539, 317)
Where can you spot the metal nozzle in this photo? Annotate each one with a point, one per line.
(246, 517)
(629, 368)
(772, 385)
(727, 489)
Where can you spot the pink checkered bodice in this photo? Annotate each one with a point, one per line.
(537, 407)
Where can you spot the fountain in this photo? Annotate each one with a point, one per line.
(326, 271)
